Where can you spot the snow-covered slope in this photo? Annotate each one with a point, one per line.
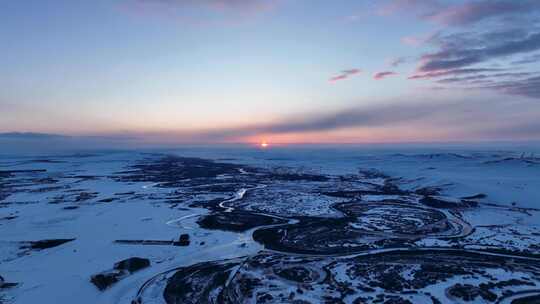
(65, 218)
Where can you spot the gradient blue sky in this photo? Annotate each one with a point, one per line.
(275, 70)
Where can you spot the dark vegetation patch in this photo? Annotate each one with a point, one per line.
(212, 204)
(132, 264)
(169, 171)
(386, 277)
(107, 200)
(468, 292)
(534, 299)
(297, 177)
(474, 197)
(71, 207)
(427, 191)
(297, 273)
(9, 173)
(237, 221)
(387, 189)
(396, 217)
(45, 244)
(197, 283)
(383, 224)
(74, 196)
(5, 285)
(119, 271)
(13, 181)
(183, 240)
(9, 217)
(313, 235)
(436, 202)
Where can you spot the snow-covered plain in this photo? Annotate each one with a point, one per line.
(319, 208)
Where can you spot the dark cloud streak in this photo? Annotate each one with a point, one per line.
(492, 77)
(450, 13)
(437, 74)
(377, 116)
(529, 87)
(472, 12)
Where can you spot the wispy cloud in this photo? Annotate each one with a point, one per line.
(484, 77)
(529, 87)
(201, 12)
(395, 62)
(459, 57)
(453, 118)
(476, 51)
(529, 59)
(450, 13)
(344, 75)
(515, 130)
(375, 116)
(237, 5)
(420, 40)
(403, 6)
(443, 73)
(440, 115)
(471, 12)
(382, 75)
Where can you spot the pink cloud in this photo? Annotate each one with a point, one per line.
(249, 5)
(213, 4)
(397, 6)
(420, 39)
(345, 74)
(201, 12)
(382, 75)
(412, 40)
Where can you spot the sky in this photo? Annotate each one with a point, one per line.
(283, 71)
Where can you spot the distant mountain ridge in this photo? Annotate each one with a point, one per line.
(30, 135)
